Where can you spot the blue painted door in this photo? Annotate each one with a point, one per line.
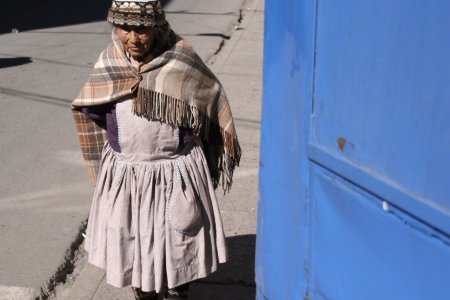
(355, 157)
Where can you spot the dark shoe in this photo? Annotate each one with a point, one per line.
(140, 295)
(177, 293)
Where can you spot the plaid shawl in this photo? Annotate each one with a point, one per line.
(173, 86)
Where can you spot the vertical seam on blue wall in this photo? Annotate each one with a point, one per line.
(309, 208)
(316, 29)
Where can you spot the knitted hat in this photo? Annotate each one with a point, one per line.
(137, 13)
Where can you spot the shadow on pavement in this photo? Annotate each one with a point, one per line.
(36, 14)
(241, 266)
(233, 280)
(14, 61)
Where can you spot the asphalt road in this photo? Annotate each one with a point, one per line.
(45, 193)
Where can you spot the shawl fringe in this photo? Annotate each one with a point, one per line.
(228, 160)
(156, 106)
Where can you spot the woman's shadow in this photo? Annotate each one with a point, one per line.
(235, 279)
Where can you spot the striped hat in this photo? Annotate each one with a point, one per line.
(144, 13)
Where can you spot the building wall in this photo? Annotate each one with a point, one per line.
(355, 200)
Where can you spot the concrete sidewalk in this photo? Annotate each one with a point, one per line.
(239, 67)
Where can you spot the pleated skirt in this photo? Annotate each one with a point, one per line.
(155, 223)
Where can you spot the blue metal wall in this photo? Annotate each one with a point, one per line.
(355, 164)
(288, 78)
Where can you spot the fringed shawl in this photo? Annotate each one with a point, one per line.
(173, 86)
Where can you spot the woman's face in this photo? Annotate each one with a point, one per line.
(137, 41)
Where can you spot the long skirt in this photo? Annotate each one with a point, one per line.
(154, 220)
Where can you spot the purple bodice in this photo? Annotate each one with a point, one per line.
(105, 117)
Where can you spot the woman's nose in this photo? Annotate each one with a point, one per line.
(133, 36)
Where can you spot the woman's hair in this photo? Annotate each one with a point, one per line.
(162, 32)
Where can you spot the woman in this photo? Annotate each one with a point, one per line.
(156, 130)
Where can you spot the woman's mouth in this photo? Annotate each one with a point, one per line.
(134, 49)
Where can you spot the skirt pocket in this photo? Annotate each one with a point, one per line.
(184, 211)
